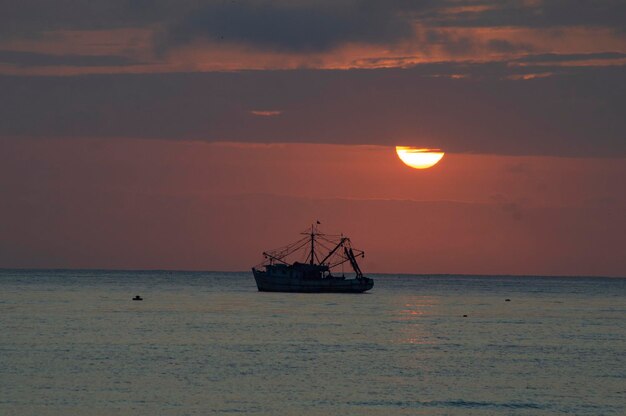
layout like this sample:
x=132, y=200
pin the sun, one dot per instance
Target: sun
x=419, y=158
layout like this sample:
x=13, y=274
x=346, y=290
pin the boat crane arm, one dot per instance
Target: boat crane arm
x=334, y=250
x=353, y=263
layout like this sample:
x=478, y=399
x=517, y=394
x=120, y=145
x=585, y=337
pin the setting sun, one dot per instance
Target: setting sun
x=419, y=158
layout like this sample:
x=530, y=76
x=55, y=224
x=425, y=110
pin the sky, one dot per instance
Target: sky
x=194, y=135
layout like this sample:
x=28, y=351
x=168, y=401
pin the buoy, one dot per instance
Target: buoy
x=137, y=297
x=464, y=316
x=507, y=300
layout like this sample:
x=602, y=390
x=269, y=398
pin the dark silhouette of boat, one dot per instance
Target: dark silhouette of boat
x=313, y=275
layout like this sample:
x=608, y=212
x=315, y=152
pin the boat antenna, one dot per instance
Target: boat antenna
x=342, y=273
x=313, y=234
x=312, y=243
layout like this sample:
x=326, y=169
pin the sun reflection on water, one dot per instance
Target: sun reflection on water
x=410, y=319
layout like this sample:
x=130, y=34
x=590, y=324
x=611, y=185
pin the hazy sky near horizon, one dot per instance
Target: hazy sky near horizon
x=196, y=134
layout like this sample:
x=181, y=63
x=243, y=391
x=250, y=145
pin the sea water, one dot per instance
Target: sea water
x=74, y=343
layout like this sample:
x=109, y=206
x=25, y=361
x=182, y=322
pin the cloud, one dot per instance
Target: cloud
x=31, y=18
x=539, y=14
x=450, y=42
x=292, y=27
x=311, y=24
x=505, y=46
x=578, y=111
x=29, y=59
x=266, y=113
x=200, y=35
x=555, y=57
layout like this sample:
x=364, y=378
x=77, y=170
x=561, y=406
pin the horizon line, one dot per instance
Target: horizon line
x=65, y=269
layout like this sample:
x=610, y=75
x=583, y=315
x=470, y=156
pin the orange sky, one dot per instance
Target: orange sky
x=192, y=205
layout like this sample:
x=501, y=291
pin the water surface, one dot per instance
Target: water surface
x=73, y=343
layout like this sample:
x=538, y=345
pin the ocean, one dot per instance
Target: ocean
x=201, y=343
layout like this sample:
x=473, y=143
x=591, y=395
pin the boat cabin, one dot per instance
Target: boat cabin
x=301, y=270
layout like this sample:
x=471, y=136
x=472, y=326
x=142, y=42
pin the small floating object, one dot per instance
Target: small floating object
x=464, y=316
x=137, y=297
x=507, y=300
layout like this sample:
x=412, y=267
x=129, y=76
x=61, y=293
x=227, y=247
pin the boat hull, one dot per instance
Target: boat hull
x=271, y=283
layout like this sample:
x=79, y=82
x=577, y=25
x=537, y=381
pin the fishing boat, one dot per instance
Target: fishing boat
x=307, y=266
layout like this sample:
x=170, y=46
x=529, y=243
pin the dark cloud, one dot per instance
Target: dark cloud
x=505, y=46
x=30, y=59
x=282, y=25
x=305, y=25
x=293, y=27
x=31, y=18
x=541, y=14
x=575, y=112
x=555, y=57
x=450, y=42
